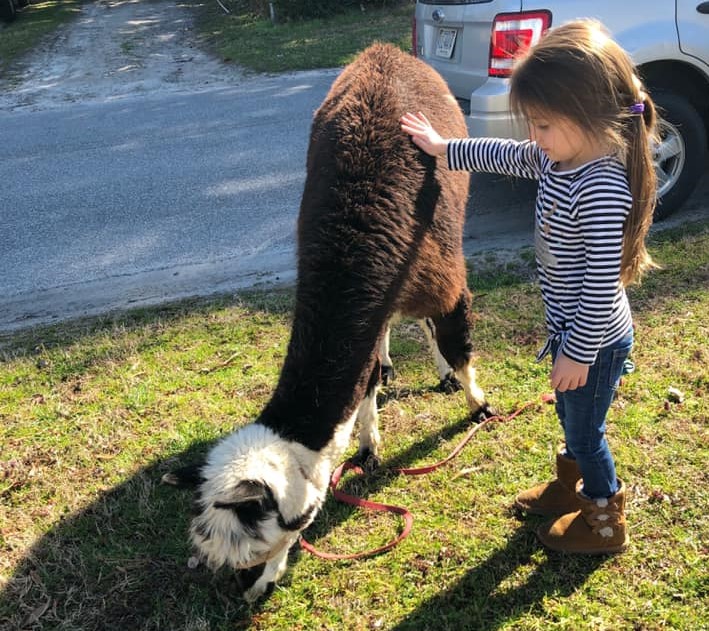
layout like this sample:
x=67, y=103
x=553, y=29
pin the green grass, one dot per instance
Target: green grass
x=93, y=412
x=33, y=25
x=258, y=45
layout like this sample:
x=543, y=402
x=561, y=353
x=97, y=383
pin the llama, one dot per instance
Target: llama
x=379, y=233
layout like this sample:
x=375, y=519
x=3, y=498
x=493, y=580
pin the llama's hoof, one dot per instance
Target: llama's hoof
x=246, y=580
x=367, y=460
x=484, y=412
x=388, y=374
x=254, y=594
x=449, y=384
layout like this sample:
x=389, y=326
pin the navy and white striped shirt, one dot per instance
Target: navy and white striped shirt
x=579, y=217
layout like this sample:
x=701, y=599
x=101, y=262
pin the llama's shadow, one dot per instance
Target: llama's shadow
x=121, y=563
x=376, y=480
x=448, y=385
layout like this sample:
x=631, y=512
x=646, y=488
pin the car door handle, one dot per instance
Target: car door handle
x=703, y=7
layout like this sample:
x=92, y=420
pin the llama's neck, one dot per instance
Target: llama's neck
x=325, y=375
x=320, y=464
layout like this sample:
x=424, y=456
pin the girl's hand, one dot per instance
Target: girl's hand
x=566, y=374
x=423, y=134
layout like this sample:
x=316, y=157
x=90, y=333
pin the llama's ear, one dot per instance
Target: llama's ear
x=186, y=477
x=252, y=502
x=246, y=491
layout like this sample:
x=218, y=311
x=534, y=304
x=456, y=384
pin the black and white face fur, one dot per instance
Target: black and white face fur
x=257, y=493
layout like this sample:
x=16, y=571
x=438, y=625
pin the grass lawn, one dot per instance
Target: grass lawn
x=92, y=413
x=258, y=45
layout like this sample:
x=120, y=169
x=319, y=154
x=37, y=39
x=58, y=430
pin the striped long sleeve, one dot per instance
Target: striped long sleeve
x=602, y=312
x=496, y=155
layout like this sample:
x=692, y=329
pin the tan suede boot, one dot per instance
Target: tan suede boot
x=598, y=528
x=553, y=498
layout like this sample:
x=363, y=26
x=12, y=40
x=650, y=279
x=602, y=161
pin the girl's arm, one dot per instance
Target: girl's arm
x=491, y=155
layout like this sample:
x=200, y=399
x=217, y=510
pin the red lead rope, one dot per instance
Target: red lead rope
x=405, y=513
x=362, y=503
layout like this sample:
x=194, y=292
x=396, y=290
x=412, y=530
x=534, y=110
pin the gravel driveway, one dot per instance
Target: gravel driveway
x=116, y=50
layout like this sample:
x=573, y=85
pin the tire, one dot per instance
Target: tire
x=679, y=157
x=8, y=12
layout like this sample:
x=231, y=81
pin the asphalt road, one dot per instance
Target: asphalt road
x=147, y=199
x=127, y=182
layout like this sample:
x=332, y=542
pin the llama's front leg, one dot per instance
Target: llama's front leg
x=367, y=416
x=452, y=332
x=273, y=570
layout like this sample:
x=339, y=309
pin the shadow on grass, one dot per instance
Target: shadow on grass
x=480, y=601
x=121, y=564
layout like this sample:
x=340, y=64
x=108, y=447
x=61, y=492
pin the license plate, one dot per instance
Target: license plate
x=445, y=42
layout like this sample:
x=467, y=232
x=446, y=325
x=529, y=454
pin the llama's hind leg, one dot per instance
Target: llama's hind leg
x=452, y=333
x=448, y=382
x=368, y=418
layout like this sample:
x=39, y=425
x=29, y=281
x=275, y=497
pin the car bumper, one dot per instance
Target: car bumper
x=488, y=112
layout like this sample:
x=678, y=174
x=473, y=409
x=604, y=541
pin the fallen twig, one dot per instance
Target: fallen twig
x=219, y=2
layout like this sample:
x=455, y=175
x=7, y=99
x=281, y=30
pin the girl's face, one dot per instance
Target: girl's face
x=563, y=140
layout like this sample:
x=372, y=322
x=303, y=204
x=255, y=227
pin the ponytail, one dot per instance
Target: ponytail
x=638, y=135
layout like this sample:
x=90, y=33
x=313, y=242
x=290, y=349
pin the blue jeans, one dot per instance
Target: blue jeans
x=582, y=413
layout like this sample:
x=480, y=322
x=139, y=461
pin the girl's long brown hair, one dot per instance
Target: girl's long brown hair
x=578, y=72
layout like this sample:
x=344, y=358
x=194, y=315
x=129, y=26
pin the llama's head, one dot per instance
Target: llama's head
x=255, y=493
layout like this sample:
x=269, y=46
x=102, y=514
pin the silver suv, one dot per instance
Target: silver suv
x=472, y=44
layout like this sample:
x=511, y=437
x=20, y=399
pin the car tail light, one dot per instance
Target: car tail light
x=414, y=42
x=512, y=35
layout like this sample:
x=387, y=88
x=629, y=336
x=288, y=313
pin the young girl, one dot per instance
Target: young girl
x=590, y=125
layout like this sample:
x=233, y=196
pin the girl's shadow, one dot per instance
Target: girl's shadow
x=480, y=602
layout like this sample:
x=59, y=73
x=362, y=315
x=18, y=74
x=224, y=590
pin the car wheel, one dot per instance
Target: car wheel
x=22, y=3
x=7, y=10
x=679, y=155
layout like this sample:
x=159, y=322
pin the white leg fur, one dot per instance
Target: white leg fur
x=473, y=394
x=384, y=348
x=272, y=572
x=369, y=424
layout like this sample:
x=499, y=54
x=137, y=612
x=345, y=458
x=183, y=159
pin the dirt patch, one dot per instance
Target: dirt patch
x=116, y=50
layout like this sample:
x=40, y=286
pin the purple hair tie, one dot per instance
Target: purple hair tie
x=637, y=108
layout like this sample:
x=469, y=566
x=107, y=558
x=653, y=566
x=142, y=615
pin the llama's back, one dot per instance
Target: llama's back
x=375, y=206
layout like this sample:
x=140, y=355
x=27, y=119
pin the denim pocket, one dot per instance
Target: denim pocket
x=617, y=365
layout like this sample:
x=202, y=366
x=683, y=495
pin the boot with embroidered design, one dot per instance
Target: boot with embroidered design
x=556, y=497
x=598, y=528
